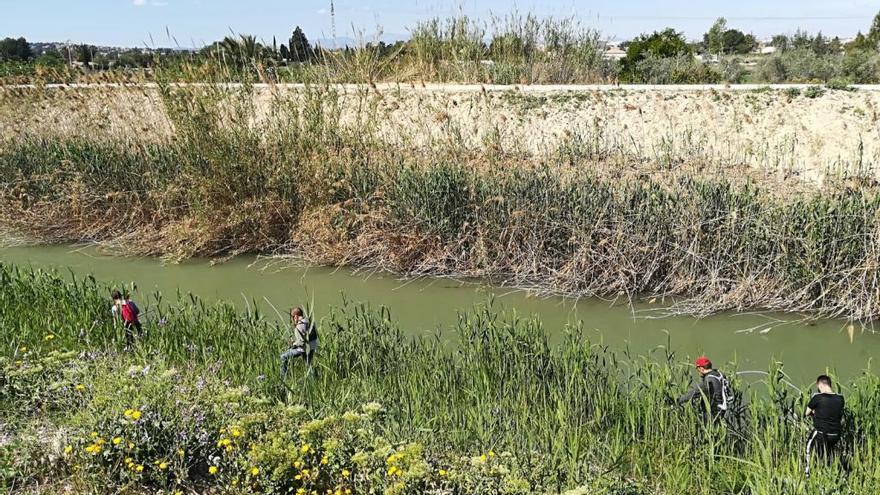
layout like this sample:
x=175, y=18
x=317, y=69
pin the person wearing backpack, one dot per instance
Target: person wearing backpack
x=713, y=391
x=304, y=342
x=826, y=408
x=129, y=312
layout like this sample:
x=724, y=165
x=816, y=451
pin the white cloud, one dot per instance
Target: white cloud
x=139, y=3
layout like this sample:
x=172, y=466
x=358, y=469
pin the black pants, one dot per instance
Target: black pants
x=823, y=445
x=130, y=328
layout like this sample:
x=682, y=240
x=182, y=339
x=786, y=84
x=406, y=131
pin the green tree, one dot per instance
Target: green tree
x=714, y=38
x=299, y=47
x=735, y=41
x=15, y=49
x=658, y=45
x=284, y=52
x=84, y=54
x=781, y=42
x=874, y=33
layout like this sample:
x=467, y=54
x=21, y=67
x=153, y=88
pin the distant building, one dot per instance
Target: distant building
x=613, y=52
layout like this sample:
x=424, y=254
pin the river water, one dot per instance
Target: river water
x=422, y=306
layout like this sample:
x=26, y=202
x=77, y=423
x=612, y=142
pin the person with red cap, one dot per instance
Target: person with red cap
x=713, y=391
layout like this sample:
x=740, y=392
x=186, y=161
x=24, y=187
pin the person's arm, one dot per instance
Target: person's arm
x=811, y=406
x=696, y=389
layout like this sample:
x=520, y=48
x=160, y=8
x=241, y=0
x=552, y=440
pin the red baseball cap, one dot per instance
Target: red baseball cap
x=702, y=362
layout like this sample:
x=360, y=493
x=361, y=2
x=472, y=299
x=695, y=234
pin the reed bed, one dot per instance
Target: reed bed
x=290, y=178
x=565, y=416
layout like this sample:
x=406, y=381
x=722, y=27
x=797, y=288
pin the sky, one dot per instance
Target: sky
x=195, y=23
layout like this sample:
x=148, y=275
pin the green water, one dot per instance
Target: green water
x=425, y=305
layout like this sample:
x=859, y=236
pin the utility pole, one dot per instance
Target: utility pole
x=333, y=23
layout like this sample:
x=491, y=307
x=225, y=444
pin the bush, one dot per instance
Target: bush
x=681, y=69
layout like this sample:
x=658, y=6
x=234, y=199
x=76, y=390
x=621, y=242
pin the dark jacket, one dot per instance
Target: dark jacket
x=709, y=387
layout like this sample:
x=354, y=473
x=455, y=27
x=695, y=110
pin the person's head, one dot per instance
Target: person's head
x=823, y=384
x=703, y=365
x=116, y=296
x=296, y=314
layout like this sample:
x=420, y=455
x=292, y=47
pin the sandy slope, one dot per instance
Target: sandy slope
x=773, y=130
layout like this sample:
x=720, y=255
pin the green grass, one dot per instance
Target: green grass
x=566, y=414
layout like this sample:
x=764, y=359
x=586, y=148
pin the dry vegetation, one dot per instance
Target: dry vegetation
x=699, y=195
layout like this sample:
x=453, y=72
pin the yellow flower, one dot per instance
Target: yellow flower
x=337, y=492
x=68, y=449
x=130, y=445
x=348, y=491
x=128, y=460
x=23, y=349
x=128, y=413
x=392, y=470
x=49, y=337
x=93, y=434
x=298, y=464
x=491, y=453
x=442, y=472
x=178, y=492
x=324, y=461
x=80, y=386
x=483, y=458
x=255, y=471
x=136, y=415
x=300, y=491
x=229, y=448
x=305, y=448
x=346, y=472
x=180, y=453
x=94, y=449
x=163, y=465
x=117, y=441
x=234, y=482
x=236, y=432
x=139, y=468
x=212, y=469
x=298, y=477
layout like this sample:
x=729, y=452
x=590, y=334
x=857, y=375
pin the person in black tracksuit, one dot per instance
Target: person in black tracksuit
x=826, y=409
x=708, y=392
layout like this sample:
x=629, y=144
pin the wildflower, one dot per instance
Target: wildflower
x=346, y=472
x=22, y=349
x=298, y=464
x=300, y=491
x=212, y=469
x=68, y=449
x=128, y=460
x=348, y=491
x=128, y=413
x=483, y=458
x=117, y=441
x=224, y=442
x=392, y=470
x=236, y=432
x=136, y=415
x=229, y=448
x=80, y=386
x=255, y=471
x=442, y=472
x=180, y=453
x=491, y=453
x=324, y=461
x=305, y=448
x=48, y=337
x=94, y=449
x=130, y=445
x=94, y=434
x=163, y=465
x=139, y=468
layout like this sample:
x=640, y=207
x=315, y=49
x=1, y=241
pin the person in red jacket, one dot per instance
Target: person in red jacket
x=128, y=311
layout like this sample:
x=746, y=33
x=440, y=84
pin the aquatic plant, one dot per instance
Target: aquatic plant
x=555, y=416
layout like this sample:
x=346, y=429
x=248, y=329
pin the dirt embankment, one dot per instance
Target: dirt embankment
x=781, y=132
